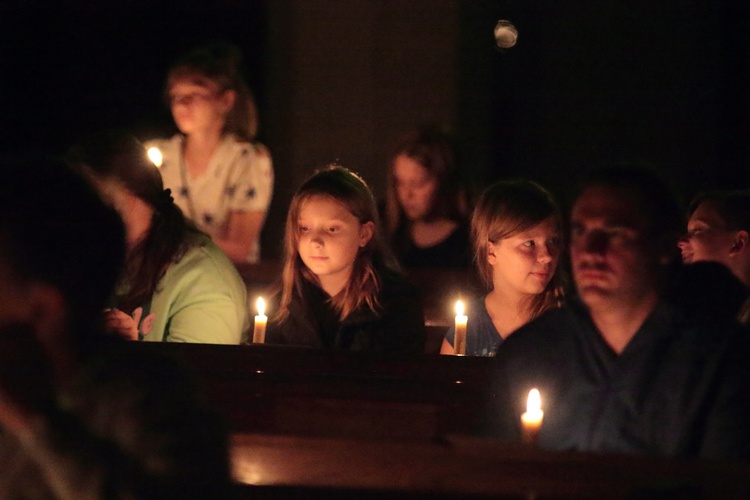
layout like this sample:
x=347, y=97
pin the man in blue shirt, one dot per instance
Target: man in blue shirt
x=619, y=368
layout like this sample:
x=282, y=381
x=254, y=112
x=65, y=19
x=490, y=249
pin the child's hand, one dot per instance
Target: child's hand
x=122, y=323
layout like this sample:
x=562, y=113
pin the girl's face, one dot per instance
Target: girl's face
x=330, y=237
x=199, y=108
x=524, y=263
x=415, y=187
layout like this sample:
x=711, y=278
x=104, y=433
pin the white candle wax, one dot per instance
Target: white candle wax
x=531, y=419
x=459, y=339
x=259, y=331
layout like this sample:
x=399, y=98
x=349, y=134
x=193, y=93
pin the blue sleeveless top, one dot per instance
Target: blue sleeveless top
x=482, y=338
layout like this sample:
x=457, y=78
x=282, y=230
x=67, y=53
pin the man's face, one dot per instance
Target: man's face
x=610, y=255
x=707, y=236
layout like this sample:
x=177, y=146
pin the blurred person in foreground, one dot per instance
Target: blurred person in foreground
x=623, y=370
x=81, y=417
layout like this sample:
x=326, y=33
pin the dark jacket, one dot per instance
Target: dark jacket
x=454, y=252
x=679, y=388
x=396, y=327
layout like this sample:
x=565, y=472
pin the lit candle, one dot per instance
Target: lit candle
x=155, y=156
x=459, y=339
x=531, y=420
x=259, y=332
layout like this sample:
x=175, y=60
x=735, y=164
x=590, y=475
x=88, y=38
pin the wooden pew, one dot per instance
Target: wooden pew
x=298, y=391
x=325, y=424
x=462, y=467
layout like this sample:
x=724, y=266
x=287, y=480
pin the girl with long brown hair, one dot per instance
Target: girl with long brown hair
x=426, y=210
x=340, y=286
x=177, y=286
x=516, y=231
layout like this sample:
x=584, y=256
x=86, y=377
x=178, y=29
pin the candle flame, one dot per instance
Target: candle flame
x=155, y=156
x=534, y=403
x=261, y=305
x=459, y=308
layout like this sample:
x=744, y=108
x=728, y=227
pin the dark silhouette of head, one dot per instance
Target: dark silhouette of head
x=56, y=231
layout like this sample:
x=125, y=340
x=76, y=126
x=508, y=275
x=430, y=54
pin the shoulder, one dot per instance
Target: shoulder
x=166, y=145
x=479, y=319
x=701, y=334
x=548, y=333
x=249, y=163
x=204, y=261
x=246, y=152
x=475, y=305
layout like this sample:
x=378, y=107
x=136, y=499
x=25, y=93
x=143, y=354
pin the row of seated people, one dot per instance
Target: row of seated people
x=223, y=177
x=620, y=369
x=338, y=285
x=340, y=289
x=179, y=286
x=223, y=181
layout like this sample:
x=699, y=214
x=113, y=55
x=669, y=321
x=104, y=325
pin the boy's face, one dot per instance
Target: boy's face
x=707, y=236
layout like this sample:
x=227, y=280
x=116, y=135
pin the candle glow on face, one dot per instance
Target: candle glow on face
x=155, y=156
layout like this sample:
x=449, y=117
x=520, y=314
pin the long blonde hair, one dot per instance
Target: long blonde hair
x=364, y=285
x=505, y=209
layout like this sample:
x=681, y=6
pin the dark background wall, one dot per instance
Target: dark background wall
x=663, y=82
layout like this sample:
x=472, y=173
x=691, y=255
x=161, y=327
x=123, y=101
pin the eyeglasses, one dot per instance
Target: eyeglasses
x=188, y=99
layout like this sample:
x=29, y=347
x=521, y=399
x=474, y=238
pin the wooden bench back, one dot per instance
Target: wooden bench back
x=286, y=390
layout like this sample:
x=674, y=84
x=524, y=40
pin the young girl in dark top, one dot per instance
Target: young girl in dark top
x=340, y=286
x=515, y=228
x=426, y=203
